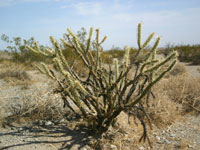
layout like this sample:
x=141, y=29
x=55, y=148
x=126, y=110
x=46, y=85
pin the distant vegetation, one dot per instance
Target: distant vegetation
x=18, y=52
x=187, y=53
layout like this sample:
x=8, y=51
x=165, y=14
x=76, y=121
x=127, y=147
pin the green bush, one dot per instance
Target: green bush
x=187, y=53
x=19, y=52
x=105, y=92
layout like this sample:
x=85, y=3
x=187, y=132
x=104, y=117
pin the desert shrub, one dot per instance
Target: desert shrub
x=162, y=110
x=105, y=93
x=184, y=90
x=32, y=107
x=4, y=56
x=167, y=49
x=189, y=53
x=16, y=77
x=115, y=52
x=107, y=56
x=15, y=74
x=18, y=50
x=179, y=69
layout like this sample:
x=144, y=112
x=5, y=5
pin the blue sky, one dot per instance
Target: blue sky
x=176, y=21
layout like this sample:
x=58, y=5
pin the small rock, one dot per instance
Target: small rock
x=126, y=135
x=118, y=139
x=48, y=123
x=128, y=139
x=114, y=147
x=166, y=141
x=141, y=148
x=62, y=121
x=20, y=129
x=84, y=148
x=172, y=135
x=190, y=146
x=158, y=138
x=110, y=128
x=164, y=131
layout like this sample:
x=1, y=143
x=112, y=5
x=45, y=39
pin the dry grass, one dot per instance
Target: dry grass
x=175, y=96
x=179, y=69
x=16, y=77
x=34, y=108
x=185, y=91
x=162, y=110
x=4, y=56
x=15, y=74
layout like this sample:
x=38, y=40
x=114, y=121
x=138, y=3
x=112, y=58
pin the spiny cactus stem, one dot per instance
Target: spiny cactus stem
x=46, y=69
x=33, y=50
x=139, y=35
x=91, y=57
x=89, y=40
x=49, y=51
x=126, y=57
x=150, y=85
x=121, y=76
x=147, y=63
x=66, y=44
x=103, y=40
x=156, y=44
x=81, y=55
x=97, y=37
x=161, y=63
x=116, y=68
x=148, y=40
x=40, y=69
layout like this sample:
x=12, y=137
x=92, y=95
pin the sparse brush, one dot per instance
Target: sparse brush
x=106, y=92
x=185, y=91
x=16, y=77
x=178, y=70
x=32, y=109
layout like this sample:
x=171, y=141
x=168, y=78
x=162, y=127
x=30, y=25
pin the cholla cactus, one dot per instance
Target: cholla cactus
x=105, y=92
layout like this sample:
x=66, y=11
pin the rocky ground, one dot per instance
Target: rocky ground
x=61, y=133
x=181, y=135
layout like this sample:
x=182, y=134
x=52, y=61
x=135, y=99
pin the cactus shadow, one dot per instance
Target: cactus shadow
x=60, y=136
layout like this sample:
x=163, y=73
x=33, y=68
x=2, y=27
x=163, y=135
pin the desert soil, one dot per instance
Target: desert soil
x=49, y=135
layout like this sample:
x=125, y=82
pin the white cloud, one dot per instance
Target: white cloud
x=88, y=8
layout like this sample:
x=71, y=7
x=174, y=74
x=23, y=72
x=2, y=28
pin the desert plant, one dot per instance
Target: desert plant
x=106, y=91
x=184, y=90
x=17, y=48
x=179, y=70
x=16, y=76
x=189, y=53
